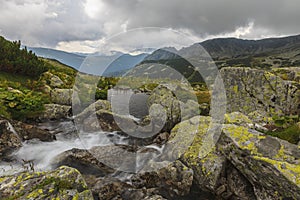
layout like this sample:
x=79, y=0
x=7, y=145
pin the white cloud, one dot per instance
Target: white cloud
x=84, y=25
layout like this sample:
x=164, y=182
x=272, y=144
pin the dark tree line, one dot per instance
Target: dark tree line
x=15, y=60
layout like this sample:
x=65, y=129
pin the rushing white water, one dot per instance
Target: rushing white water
x=41, y=154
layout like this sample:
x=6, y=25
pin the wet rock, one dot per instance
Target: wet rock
x=28, y=132
x=61, y=96
x=9, y=139
x=83, y=160
x=63, y=183
x=55, y=112
x=104, y=120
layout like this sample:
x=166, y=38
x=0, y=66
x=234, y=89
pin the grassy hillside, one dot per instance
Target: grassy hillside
x=22, y=97
x=21, y=88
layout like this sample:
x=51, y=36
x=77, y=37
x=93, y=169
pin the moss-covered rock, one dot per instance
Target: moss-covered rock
x=189, y=141
x=55, y=112
x=266, y=167
x=163, y=96
x=249, y=89
x=63, y=183
x=270, y=164
x=238, y=119
x=61, y=96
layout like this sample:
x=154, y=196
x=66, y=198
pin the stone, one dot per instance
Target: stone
x=164, y=97
x=28, y=132
x=108, y=188
x=241, y=164
x=83, y=160
x=271, y=165
x=62, y=183
x=55, y=112
x=9, y=139
x=61, y=96
x=93, y=108
x=51, y=80
x=238, y=118
x=173, y=180
x=249, y=90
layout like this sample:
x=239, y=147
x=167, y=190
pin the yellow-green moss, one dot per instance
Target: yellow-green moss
x=290, y=171
x=236, y=118
x=235, y=88
x=243, y=137
x=35, y=194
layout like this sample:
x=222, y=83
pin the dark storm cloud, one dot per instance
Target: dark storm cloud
x=57, y=22
x=212, y=17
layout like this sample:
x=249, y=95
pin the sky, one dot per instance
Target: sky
x=127, y=25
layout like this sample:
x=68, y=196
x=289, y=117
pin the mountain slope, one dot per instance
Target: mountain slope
x=114, y=65
x=69, y=59
x=265, y=53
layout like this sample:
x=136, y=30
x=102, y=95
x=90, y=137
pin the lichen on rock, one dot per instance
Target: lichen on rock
x=63, y=183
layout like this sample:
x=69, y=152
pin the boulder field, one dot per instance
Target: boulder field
x=192, y=157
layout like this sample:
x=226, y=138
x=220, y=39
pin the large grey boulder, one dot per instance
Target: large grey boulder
x=242, y=163
x=170, y=104
x=84, y=161
x=249, y=90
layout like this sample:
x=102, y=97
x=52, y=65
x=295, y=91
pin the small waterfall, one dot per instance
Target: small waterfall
x=41, y=153
x=12, y=129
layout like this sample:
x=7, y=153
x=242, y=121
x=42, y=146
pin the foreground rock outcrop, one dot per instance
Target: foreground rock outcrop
x=242, y=164
x=63, y=183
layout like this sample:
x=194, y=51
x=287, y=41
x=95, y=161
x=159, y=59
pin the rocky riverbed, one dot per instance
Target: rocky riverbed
x=91, y=156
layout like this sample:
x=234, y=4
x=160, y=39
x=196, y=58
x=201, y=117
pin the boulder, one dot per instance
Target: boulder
x=9, y=139
x=104, y=120
x=83, y=160
x=55, y=112
x=238, y=118
x=164, y=97
x=241, y=164
x=108, y=188
x=61, y=96
x=249, y=90
x=62, y=183
x=271, y=165
x=93, y=108
x=28, y=132
x=171, y=181
x=52, y=80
